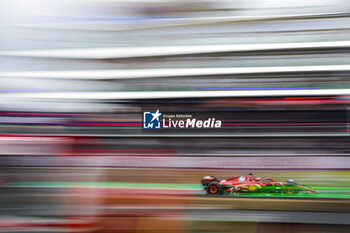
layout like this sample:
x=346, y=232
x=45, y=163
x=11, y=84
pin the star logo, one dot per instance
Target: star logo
x=156, y=115
x=151, y=120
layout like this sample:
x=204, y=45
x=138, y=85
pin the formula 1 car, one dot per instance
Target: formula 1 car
x=251, y=184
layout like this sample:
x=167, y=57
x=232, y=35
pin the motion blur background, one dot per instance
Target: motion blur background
x=76, y=76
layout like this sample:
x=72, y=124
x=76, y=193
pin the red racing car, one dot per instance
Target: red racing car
x=251, y=184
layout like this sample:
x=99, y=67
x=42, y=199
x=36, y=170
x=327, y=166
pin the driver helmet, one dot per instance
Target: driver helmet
x=250, y=177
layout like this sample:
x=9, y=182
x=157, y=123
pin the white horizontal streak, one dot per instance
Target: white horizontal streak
x=110, y=53
x=158, y=73
x=173, y=94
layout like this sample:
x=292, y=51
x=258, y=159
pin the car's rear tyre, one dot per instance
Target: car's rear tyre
x=214, y=188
